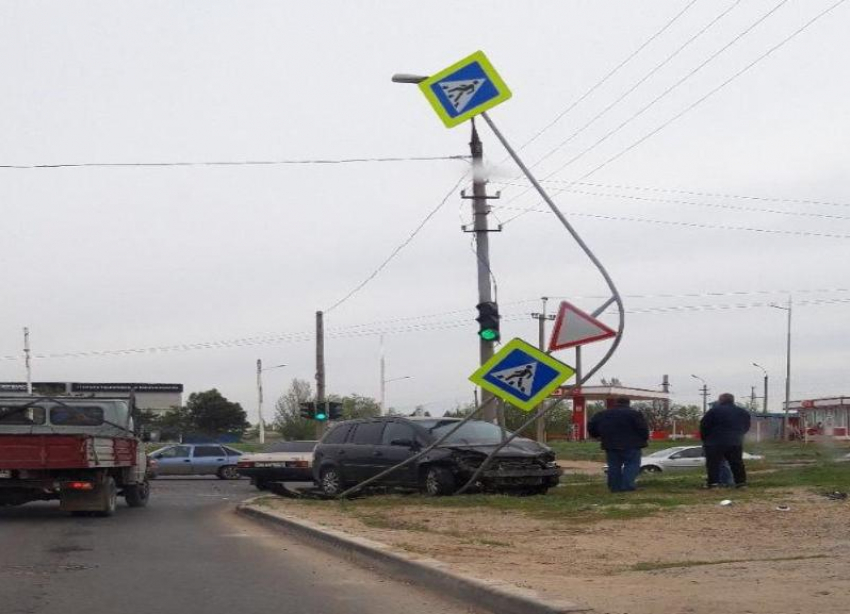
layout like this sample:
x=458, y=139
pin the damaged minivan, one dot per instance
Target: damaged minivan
x=356, y=450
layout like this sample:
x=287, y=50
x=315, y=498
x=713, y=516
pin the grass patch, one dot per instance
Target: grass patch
x=656, y=565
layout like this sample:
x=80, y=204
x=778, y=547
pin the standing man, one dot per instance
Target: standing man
x=623, y=432
x=722, y=429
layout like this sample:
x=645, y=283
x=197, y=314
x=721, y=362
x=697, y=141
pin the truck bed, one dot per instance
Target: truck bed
x=65, y=451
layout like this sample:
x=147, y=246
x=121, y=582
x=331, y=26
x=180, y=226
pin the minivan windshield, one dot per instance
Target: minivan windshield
x=473, y=432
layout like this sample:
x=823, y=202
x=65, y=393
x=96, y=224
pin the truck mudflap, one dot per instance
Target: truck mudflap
x=98, y=495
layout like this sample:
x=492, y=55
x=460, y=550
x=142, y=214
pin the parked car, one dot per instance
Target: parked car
x=356, y=450
x=197, y=459
x=680, y=457
x=282, y=461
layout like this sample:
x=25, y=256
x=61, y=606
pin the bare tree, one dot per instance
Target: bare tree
x=287, y=420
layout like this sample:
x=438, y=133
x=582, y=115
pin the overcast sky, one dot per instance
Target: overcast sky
x=105, y=258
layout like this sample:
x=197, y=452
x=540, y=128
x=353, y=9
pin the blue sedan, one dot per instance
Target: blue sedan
x=197, y=459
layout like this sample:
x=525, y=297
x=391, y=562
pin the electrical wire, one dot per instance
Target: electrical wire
x=637, y=84
x=233, y=162
x=400, y=247
x=352, y=332
x=693, y=204
x=643, y=220
x=610, y=74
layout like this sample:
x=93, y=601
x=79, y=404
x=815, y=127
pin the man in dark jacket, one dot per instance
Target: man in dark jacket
x=722, y=429
x=623, y=432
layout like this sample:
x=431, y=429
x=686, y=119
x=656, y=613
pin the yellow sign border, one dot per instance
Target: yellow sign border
x=500, y=85
x=564, y=370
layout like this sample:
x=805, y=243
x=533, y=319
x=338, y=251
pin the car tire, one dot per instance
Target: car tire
x=228, y=472
x=330, y=481
x=650, y=469
x=261, y=485
x=137, y=495
x=438, y=481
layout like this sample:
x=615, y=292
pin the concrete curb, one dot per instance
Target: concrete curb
x=494, y=595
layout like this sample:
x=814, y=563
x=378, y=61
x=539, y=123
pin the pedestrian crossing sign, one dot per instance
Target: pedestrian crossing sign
x=522, y=375
x=465, y=89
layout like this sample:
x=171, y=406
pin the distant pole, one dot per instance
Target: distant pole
x=753, y=398
x=764, y=399
x=260, y=400
x=704, y=391
x=788, y=370
x=320, y=368
x=541, y=343
x=383, y=379
x=27, y=359
x=480, y=210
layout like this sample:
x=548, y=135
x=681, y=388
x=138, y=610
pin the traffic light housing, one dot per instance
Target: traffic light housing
x=321, y=413
x=488, y=321
x=308, y=410
x=334, y=410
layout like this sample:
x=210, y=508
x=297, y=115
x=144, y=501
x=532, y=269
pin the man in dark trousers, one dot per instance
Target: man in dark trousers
x=623, y=432
x=722, y=429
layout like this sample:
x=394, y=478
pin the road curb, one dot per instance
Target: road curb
x=494, y=595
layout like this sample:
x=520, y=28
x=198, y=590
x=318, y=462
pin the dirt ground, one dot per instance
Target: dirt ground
x=747, y=558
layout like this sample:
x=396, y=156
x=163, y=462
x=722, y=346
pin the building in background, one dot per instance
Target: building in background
x=828, y=417
x=158, y=398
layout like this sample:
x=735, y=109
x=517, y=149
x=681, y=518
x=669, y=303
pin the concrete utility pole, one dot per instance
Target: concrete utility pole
x=320, y=369
x=753, y=398
x=541, y=343
x=480, y=210
x=789, y=308
x=27, y=359
x=262, y=428
x=704, y=391
x=764, y=400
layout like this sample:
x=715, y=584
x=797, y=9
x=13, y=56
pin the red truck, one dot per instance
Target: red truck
x=82, y=451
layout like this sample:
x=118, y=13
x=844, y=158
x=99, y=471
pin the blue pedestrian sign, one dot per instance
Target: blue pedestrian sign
x=465, y=89
x=522, y=375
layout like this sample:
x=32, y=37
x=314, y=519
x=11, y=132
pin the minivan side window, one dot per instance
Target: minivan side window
x=397, y=431
x=368, y=433
x=337, y=434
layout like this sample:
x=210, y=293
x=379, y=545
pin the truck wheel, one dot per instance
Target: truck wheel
x=137, y=495
x=438, y=481
x=108, y=498
x=228, y=472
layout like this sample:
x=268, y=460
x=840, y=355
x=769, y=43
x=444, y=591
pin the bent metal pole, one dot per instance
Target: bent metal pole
x=615, y=297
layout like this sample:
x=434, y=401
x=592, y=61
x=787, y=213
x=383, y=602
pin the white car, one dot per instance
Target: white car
x=681, y=457
x=283, y=461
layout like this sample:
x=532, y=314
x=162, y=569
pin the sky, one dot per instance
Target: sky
x=706, y=198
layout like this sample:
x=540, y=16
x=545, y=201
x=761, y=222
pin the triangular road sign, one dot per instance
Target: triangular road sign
x=575, y=327
x=519, y=378
x=461, y=92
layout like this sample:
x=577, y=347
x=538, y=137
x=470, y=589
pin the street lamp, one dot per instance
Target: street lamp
x=787, y=365
x=406, y=78
x=260, y=370
x=764, y=406
x=384, y=383
x=704, y=391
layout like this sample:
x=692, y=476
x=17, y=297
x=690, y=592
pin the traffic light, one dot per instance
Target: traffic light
x=334, y=410
x=308, y=410
x=488, y=321
x=321, y=414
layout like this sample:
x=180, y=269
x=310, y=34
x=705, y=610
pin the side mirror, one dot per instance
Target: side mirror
x=406, y=443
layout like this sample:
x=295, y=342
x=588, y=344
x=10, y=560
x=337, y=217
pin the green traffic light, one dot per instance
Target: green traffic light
x=489, y=334
x=321, y=416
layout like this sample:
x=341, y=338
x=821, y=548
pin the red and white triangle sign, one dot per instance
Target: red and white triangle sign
x=575, y=327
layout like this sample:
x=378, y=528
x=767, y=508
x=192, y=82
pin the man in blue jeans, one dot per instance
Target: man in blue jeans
x=623, y=432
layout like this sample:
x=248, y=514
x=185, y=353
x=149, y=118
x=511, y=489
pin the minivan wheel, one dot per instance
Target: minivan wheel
x=331, y=481
x=438, y=481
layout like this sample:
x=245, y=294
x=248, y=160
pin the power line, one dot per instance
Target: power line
x=693, y=204
x=351, y=332
x=655, y=100
x=398, y=249
x=233, y=162
x=640, y=82
x=715, y=90
x=642, y=220
x=798, y=201
x=610, y=74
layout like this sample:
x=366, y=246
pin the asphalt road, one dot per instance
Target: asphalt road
x=187, y=553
